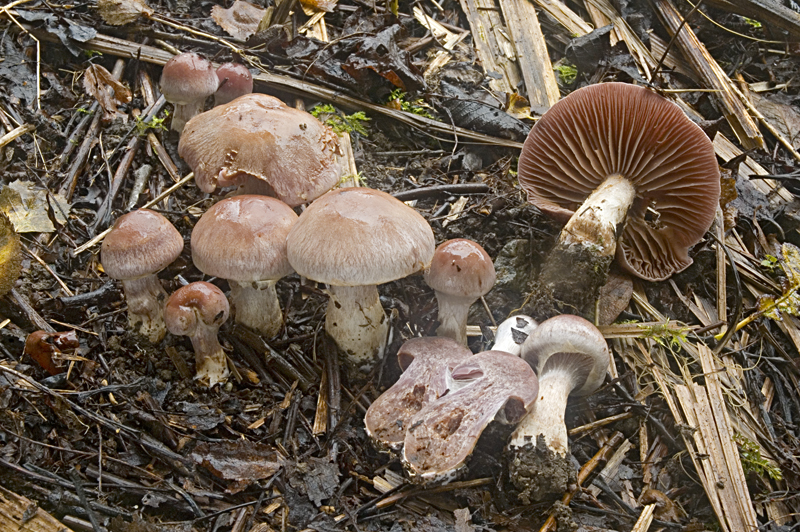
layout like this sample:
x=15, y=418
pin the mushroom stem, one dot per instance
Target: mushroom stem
x=453, y=311
x=211, y=365
x=596, y=220
x=185, y=112
x=547, y=416
x=356, y=321
x=146, y=298
x=256, y=306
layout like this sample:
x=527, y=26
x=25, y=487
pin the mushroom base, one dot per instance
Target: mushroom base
x=256, y=306
x=538, y=473
x=211, y=365
x=574, y=275
x=357, y=323
x=146, y=298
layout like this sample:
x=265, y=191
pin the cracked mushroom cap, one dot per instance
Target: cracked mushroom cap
x=258, y=136
x=141, y=243
x=234, y=80
x=244, y=239
x=573, y=342
x=461, y=268
x=196, y=301
x=187, y=78
x=359, y=236
x=621, y=129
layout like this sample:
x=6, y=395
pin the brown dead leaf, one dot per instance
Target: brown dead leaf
x=239, y=461
x=97, y=81
x=779, y=112
x=240, y=21
x=119, y=12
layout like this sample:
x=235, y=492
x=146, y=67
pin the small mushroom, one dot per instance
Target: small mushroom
x=197, y=310
x=234, y=80
x=186, y=81
x=616, y=159
x=426, y=363
x=441, y=436
x=461, y=272
x=259, y=142
x=570, y=357
x=512, y=333
x=141, y=244
x=354, y=239
x=243, y=239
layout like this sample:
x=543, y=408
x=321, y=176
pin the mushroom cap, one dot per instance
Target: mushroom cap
x=141, y=242
x=461, y=268
x=234, y=80
x=244, y=239
x=259, y=136
x=196, y=301
x=187, y=78
x=359, y=236
x=240, y=21
x=621, y=129
x=569, y=341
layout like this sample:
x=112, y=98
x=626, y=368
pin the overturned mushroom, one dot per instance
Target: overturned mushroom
x=197, y=310
x=426, y=363
x=441, y=436
x=617, y=159
x=570, y=357
x=512, y=333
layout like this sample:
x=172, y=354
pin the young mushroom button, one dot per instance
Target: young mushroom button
x=616, y=156
x=243, y=239
x=354, y=239
x=186, y=81
x=197, y=310
x=141, y=244
x=461, y=272
x=234, y=80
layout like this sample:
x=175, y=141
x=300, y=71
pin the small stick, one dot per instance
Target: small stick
x=15, y=133
x=164, y=157
x=49, y=270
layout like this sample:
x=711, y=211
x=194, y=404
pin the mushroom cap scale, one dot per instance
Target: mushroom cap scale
x=359, y=236
x=462, y=268
x=188, y=77
x=258, y=136
x=196, y=301
x=244, y=239
x=620, y=129
x=140, y=243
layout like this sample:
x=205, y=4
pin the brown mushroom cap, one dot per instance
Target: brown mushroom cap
x=244, y=239
x=141, y=242
x=234, y=80
x=187, y=78
x=259, y=136
x=621, y=129
x=461, y=268
x=359, y=236
x=240, y=21
x=196, y=301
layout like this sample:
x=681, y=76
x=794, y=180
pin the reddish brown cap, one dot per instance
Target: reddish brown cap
x=259, y=136
x=461, y=268
x=187, y=78
x=195, y=301
x=240, y=21
x=244, y=239
x=140, y=243
x=621, y=129
x=359, y=236
x=234, y=80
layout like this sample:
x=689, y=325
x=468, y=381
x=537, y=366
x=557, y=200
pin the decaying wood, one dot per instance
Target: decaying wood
x=646, y=61
x=573, y=23
x=20, y=513
x=712, y=75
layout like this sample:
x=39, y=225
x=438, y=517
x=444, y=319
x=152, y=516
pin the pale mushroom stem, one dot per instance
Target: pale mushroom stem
x=185, y=112
x=256, y=306
x=211, y=365
x=356, y=321
x=547, y=416
x=453, y=313
x=596, y=220
x=512, y=333
x=146, y=298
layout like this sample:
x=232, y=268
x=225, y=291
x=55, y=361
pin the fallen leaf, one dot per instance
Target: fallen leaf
x=97, y=81
x=28, y=207
x=240, y=21
x=119, y=12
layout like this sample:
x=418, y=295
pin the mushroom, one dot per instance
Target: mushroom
x=512, y=333
x=617, y=159
x=243, y=239
x=258, y=141
x=570, y=357
x=441, y=436
x=461, y=272
x=354, y=239
x=197, y=310
x=141, y=244
x=234, y=80
x=426, y=363
x=186, y=81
